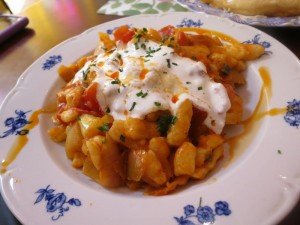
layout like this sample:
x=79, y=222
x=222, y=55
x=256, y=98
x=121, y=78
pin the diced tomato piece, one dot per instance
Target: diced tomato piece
x=167, y=31
x=124, y=34
x=182, y=39
x=90, y=98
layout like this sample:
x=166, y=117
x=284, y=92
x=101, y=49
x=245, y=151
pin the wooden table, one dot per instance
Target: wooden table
x=52, y=22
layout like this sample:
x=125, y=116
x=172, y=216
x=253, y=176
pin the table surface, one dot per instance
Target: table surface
x=50, y=24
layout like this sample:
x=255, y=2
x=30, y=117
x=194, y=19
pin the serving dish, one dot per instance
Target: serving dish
x=198, y=6
x=260, y=185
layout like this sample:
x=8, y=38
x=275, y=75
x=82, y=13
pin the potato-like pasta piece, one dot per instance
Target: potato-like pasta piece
x=179, y=131
x=235, y=113
x=136, y=164
x=90, y=170
x=69, y=115
x=184, y=161
x=160, y=147
x=73, y=140
x=194, y=51
x=137, y=129
x=73, y=96
x=254, y=51
x=94, y=148
x=153, y=174
x=111, y=172
x=92, y=125
x=67, y=72
x=117, y=133
x=58, y=134
x=201, y=172
x=78, y=160
x=105, y=41
x=170, y=186
x=210, y=141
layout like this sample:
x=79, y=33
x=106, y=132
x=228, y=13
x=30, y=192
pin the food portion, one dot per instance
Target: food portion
x=258, y=7
x=147, y=109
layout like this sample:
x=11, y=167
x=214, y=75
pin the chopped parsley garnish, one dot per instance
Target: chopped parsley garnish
x=199, y=88
x=104, y=127
x=120, y=69
x=118, y=90
x=165, y=72
x=136, y=46
x=119, y=56
x=107, y=110
x=164, y=123
x=132, y=107
x=143, y=46
x=116, y=81
x=226, y=70
x=122, y=138
x=165, y=54
x=150, y=51
x=158, y=104
x=188, y=82
x=85, y=73
x=279, y=152
x=126, y=51
x=145, y=30
x=169, y=63
x=175, y=64
x=141, y=94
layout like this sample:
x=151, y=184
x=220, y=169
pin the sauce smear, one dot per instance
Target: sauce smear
x=258, y=113
x=21, y=141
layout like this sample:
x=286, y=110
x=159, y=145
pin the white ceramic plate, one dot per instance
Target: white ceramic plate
x=199, y=6
x=260, y=186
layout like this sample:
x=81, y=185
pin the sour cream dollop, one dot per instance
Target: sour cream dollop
x=143, y=77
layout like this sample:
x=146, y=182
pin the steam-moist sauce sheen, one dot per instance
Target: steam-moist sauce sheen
x=152, y=77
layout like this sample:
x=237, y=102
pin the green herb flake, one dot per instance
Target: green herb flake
x=139, y=94
x=175, y=64
x=144, y=95
x=119, y=56
x=143, y=46
x=226, y=70
x=188, y=82
x=136, y=46
x=107, y=110
x=199, y=88
x=120, y=69
x=158, y=104
x=132, y=107
x=279, y=151
x=116, y=81
x=164, y=123
x=122, y=138
x=169, y=63
x=165, y=54
x=104, y=128
x=145, y=30
x=85, y=73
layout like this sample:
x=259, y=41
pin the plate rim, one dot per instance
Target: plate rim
x=26, y=72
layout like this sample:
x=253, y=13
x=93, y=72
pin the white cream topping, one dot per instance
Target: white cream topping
x=152, y=77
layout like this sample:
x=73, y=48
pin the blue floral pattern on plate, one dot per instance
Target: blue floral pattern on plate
x=51, y=62
x=15, y=124
x=292, y=116
x=190, y=23
x=203, y=214
x=56, y=203
x=199, y=6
